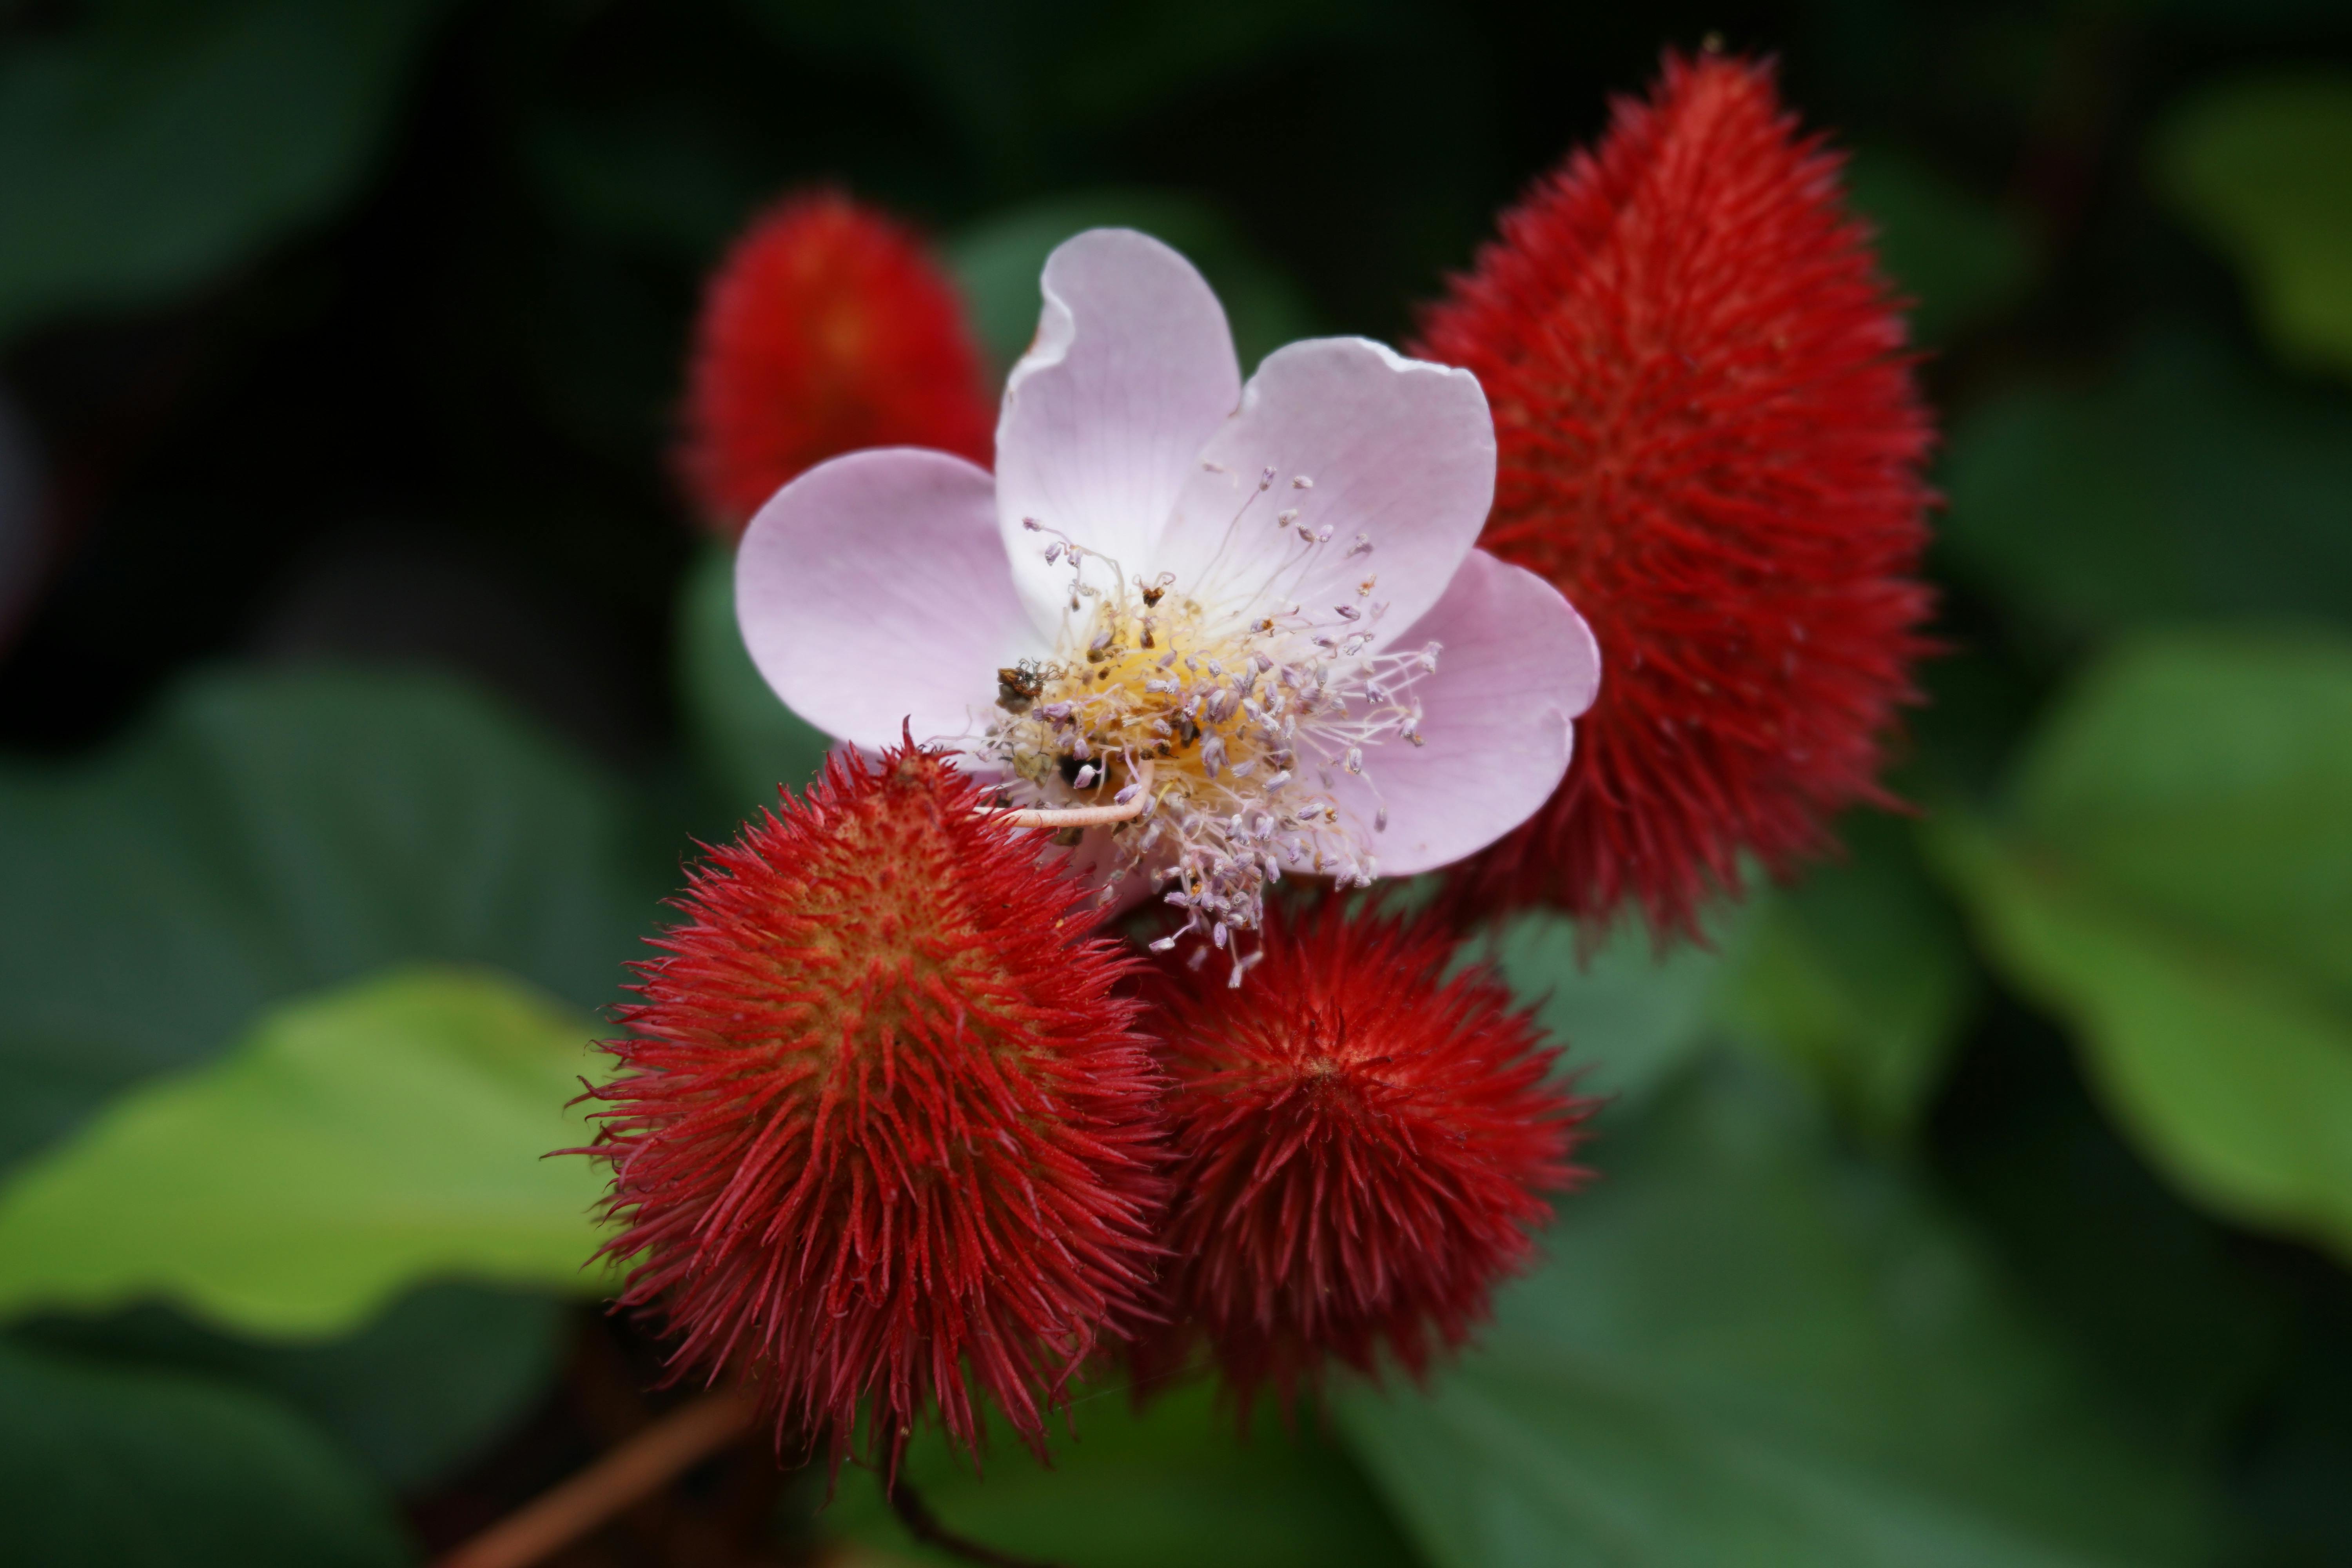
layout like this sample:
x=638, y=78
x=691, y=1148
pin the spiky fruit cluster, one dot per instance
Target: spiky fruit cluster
x=884, y=1133
x=1361, y=1149
x=1711, y=442
x=826, y=329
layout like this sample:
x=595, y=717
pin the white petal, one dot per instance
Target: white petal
x=873, y=593
x=1105, y=415
x=1400, y=451
x=1517, y=665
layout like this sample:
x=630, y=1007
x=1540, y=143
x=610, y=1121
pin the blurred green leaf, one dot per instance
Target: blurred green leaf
x=110, y=1468
x=2182, y=1320
x=267, y=835
x=998, y=264
x=1858, y=976
x=2264, y=167
x=1957, y=255
x=421, y=1389
x=1746, y=1348
x=357, y=1143
x=158, y=146
x=748, y=742
x=1172, y=1487
x=2175, y=879
x=2185, y=485
x=1628, y=1014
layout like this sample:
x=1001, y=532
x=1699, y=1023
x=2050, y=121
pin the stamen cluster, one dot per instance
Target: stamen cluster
x=1243, y=707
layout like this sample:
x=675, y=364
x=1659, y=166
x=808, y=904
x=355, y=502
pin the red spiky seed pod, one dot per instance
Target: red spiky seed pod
x=883, y=1131
x=826, y=329
x=1711, y=442
x=1360, y=1146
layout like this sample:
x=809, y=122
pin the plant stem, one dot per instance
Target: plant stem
x=924, y=1526
x=636, y=1470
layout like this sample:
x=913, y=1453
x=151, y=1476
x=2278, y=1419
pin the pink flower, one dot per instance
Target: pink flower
x=1223, y=632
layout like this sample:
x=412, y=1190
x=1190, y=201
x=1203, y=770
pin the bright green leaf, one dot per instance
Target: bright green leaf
x=2263, y=166
x=138, y=160
x=1859, y=978
x=2174, y=878
x=109, y=1468
x=1957, y=255
x=1628, y=1015
x=267, y=835
x=1172, y=1487
x=998, y=265
x=2185, y=485
x=355, y=1144
x=748, y=742
x=1746, y=1348
x=420, y=1389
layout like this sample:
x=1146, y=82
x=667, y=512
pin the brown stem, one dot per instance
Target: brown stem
x=636, y=1470
x=924, y=1526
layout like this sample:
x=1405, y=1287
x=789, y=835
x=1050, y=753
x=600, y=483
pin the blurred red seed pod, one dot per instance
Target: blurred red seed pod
x=883, y=1138
x=1361, y=1149
x=1711, y=441
x=827, y=328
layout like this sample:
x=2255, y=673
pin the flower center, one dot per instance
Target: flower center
x=1219, y=720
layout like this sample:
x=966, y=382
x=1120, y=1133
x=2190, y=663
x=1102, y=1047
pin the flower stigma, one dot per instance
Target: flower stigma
x=1205, y=724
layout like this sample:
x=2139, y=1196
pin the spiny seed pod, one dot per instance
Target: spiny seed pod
x=826, y=330
x=1711, y=442
x=1361, y=1146
x=884, y=1134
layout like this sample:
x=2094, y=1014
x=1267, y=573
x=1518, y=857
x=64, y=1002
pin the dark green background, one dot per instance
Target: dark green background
x=351, y=335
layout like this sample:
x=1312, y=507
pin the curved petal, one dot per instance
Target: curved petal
x=1104, y=417
x=873, y=593
x=1518, y=665
x=1399, y=451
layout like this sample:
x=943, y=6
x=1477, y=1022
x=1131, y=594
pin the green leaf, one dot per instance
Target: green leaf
x=1958, y=257
x=158, y=147
x=356, y=1145
x=1859, y=978
x=999, y=262
x=1628, y=1014
x=2184, y=485
x=414, y=1393
x=2175, y=879
x=1746, y=1348
x=116, y=1469
x=2258, y=164
x=1171, y=1487
x=269, y=835
x=748, y=742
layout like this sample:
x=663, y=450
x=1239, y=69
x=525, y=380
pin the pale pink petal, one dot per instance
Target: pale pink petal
x=1399, y=451
x=1133, y=367
x=1517, y=665
x=873, y=593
